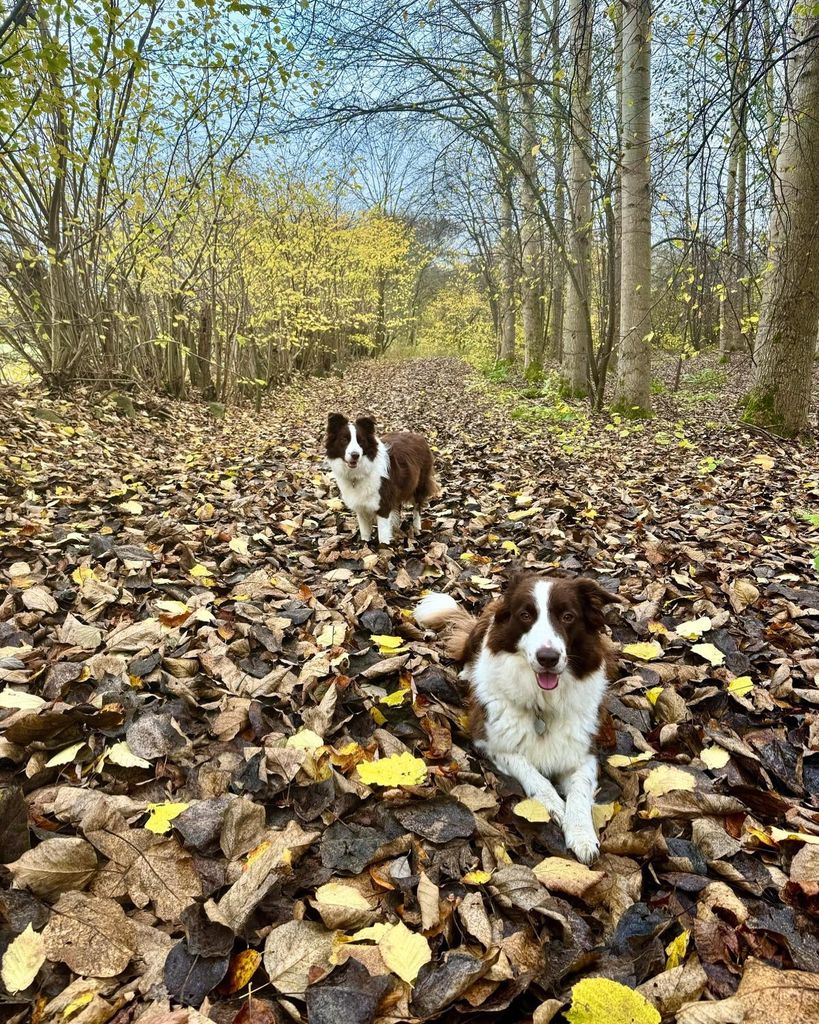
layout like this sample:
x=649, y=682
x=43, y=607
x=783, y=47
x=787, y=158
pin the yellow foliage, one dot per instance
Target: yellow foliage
x=398, y=770
x=600, y=1001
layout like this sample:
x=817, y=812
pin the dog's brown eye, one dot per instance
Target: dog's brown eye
x=525, y=616
x=568, y=617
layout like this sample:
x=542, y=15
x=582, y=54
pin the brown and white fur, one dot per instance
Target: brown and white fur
x=538, y=664
x=377, y=475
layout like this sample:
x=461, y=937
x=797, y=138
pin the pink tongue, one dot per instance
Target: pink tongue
x=547, y=680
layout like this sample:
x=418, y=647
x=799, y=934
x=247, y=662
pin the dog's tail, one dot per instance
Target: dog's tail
x=443, y=614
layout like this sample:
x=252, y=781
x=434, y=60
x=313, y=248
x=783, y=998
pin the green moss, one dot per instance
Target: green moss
x=629, y=412
x=760, y=411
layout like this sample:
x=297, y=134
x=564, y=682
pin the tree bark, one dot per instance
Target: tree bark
x=508, y=273
x=634, y=369
x=577, y=341
x=780, y=399
x=531, y=281
x=557, y=311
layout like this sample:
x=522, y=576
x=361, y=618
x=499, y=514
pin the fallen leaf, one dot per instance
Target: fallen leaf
x=161, y=816
x=22, y=960
x=292, y=951
x=91, y=935
x=568, y=876
x=600, y=1001
x=666, y=778
x=55, y=866
x=397, y=770
x=532, y=810
x=404, y=952
x=645, y=651
x=711, y=654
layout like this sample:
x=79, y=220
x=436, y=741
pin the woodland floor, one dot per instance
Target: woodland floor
x=187, y=620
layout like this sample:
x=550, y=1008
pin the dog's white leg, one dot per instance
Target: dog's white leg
x=365, y=526
x=385, y=529
x=534, y=784
x=578, y=827
x=416, y=519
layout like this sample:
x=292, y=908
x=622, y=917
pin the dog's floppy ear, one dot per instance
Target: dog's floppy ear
x=366, y=424
x=512, y=578
x=334, y=421
x=593, y=599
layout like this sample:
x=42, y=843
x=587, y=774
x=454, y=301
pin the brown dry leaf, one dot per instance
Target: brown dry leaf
x=293, y=952
x=766, y=995
x=567, y=876
x=55, y=866
x=91, y=935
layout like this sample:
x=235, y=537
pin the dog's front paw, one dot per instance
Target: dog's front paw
x=583, y=844
x=553, y=804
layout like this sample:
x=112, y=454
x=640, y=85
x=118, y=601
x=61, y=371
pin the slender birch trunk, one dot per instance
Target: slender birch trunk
x=556, y=322
x=530, y=285
x=634, y=369
x=577, y=344
x=780, y=399
x=508, y=273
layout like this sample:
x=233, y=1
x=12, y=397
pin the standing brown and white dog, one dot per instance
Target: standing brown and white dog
x=377, y=475
x=538, y=664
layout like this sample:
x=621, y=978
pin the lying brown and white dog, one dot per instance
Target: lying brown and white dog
x=377, y=475
x=537, y=663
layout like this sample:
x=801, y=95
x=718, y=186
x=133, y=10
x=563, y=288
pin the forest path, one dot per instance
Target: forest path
x=187, y=618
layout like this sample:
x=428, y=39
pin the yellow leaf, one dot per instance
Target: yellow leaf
x=288, y=527
x=561, y=875
x=404, y=952
x=532, y=810
x=66, y=755
x=483, y=582
x=741, y=686
x=162, y=815
x=377, y=717
x=601, y=1001
x=676, y=950
x=22, y=960
x=305, y=739
x=763, y=837
x=372, y=933
x=694, y=628
x=122, y=755
x=646, y=651
x=81, y=574
x=666, y=778
x=781, y=834
x=476, y=877
x=337, y=895
x=132, y=507
x=603, y=813
x=654, y=693
x=713, y=655
x=394, y=699
x=522, y=513
x=239, y=545
x=398, y=770
x=83, y=999
x=242, y=968
x=199, y=571
x=388, y=644
x=510, y=545
x=174, y=608
x=764, y=461
x=20, y=700
x=624, y=760
x=715, y=757
x=332, y=635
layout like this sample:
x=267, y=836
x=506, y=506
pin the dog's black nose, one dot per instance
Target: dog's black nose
x=353, y=457
x=548, y=657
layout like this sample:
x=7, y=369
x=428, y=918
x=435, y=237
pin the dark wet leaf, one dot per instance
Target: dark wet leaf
x=189, y=977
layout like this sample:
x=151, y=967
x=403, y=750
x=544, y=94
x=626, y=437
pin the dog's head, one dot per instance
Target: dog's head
x=554, y=625
x=351, y=441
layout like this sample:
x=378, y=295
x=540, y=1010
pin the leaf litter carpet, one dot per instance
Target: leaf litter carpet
x=234, y=778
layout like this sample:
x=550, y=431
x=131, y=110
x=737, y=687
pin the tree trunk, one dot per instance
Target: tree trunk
x=530, y=284
x=556, y=317
x=577, y=342
x=507, y=257
x=634, y=370
x=780, y=399
x=728, y=321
